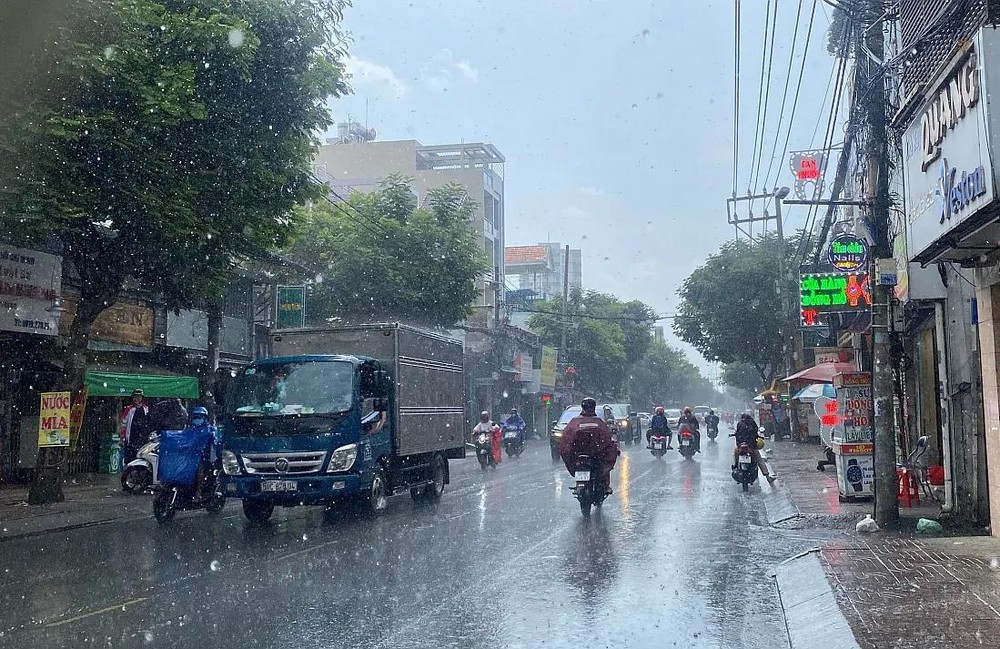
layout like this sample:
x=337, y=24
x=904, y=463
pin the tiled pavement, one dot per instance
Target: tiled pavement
x=894, y=590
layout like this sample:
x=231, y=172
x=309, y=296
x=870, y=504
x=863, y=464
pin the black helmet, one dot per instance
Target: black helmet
x=484, y=416
x=589, y=404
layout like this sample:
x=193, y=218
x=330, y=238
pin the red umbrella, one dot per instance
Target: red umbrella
x=822, y=373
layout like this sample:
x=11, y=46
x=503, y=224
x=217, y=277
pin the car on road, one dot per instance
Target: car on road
x=673, y=417
x=558, y=426
x=621, y=421
x=700, y=412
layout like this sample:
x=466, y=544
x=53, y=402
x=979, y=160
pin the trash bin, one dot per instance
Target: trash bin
x=111, y=454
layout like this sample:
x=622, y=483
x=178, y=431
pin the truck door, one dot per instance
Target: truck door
x=376, y=420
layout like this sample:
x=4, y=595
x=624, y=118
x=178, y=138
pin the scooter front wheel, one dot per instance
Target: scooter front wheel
x=136, y=479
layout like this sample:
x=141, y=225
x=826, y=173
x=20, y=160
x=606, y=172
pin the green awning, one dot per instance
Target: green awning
x=110, y=384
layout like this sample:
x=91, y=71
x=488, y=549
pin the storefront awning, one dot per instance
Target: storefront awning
x=111, y=384
x=812, y=392
x=822, y=373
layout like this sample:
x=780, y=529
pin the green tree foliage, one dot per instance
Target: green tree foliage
x=664, y=377
x=162, y=142
x=730, y=307
x=604, y=339
x=382, y=257
x=743, y=378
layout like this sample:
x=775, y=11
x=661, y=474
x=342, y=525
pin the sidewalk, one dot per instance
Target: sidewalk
x=91, y=499
x=892, y=589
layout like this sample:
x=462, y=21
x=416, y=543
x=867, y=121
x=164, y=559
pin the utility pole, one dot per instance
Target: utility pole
x=563, y=356
x=787, y=339
x=877, y=186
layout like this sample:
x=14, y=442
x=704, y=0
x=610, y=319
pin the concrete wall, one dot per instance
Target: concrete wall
x=989, y=337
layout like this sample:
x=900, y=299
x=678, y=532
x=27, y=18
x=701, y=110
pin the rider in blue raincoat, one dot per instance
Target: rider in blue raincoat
x=514, y=420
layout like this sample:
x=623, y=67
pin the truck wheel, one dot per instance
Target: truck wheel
x=257, y=512
x=439, y=470
x=378, y=496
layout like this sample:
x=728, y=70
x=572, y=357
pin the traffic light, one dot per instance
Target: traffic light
x=546, y=399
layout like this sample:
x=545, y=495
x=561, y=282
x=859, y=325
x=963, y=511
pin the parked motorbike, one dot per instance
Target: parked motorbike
x=685, y=442
x=588, y=489
x=140, y=474
x=658, y=445
x=746, y=470
x=513, y=440
x=484, y=451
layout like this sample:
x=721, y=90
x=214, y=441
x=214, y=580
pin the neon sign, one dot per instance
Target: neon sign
x=822, y=293
x=848, y=252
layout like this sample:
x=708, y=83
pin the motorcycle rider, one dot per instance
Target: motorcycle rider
x=659, y=424
x=487, y=426
x=201, y=428
x=747, y=433
x=514, y=420
x=688, y=419
x=712, y=421
x=587, y=434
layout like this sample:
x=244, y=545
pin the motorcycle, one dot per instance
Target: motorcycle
x=588, y=489
x=484, y=451
x=713, y=432
x=170, y=499
x=685, y=442
x=658, y=445
x=746, y=470
x=180, y=455
x=140, y=474
x=513, y=441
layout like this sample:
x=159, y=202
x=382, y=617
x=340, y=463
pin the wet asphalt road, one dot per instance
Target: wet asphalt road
x=678, y=557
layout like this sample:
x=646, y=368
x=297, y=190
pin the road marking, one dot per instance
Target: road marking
x=97, y=612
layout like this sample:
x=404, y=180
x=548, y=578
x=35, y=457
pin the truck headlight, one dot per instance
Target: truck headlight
x=230, y=463
x=343, y=458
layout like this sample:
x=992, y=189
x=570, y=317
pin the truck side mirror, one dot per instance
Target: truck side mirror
x=381, y=404
x=382, y=380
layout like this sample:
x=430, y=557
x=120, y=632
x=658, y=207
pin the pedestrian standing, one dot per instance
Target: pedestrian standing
x=133, y=429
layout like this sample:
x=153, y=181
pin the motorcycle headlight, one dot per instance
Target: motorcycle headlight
x=557, y=433
x=623, y=423
x=230, y=463
x=343, y=458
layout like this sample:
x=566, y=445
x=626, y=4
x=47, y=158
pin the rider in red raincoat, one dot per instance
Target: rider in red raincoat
x=587, y=434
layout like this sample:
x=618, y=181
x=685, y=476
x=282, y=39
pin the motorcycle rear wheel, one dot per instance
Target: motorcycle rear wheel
x=585, y=506
x=163, y=510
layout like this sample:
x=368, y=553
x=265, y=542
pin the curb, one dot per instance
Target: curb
x=813, y=619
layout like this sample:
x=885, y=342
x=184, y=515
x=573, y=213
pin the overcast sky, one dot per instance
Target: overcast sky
x=614, y=116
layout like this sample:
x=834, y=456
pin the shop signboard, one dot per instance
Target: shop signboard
x=291, y=307
x=522, y=366
x=948, y=149
x=848, y=253
x=30, y=282
x=850, y=419
x=823, y=293
x=549, y=369
x=123, y=323
x=53, y=419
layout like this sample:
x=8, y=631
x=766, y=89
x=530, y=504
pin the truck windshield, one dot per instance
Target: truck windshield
x=306, y=388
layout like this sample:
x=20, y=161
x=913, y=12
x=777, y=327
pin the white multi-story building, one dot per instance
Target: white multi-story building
x=360, y=166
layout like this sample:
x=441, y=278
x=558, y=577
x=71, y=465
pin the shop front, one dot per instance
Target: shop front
x=951, y=219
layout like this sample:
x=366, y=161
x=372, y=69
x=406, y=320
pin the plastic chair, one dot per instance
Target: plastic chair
x=913, y=475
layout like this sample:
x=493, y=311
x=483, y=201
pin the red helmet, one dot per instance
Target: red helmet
x=659, y=410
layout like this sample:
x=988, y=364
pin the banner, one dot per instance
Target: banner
x=76, y=415
x=549, y=369
x=53, y=419
x=291, y=307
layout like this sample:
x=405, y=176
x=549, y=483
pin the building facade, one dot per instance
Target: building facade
x=946, y=244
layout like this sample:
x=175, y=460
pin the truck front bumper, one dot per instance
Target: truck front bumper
x=309, y=490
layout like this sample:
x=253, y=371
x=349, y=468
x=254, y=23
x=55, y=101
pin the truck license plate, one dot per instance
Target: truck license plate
x=279, y=485
x=583, y=476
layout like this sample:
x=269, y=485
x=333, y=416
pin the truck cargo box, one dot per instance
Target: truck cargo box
x=428, y=412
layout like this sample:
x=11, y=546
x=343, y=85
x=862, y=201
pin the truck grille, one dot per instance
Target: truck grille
x=283, y=463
